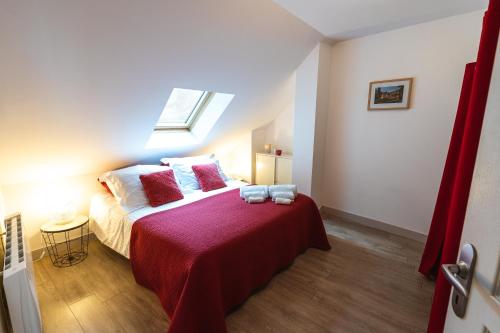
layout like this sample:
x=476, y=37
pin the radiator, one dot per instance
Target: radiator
x=18, y=280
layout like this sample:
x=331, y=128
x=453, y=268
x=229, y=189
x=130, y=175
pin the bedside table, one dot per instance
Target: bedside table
x=67, y=242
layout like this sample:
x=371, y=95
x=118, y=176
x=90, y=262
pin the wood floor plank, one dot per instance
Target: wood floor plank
x=69, y=281
x=137, y=314
x=366, y=283
x=56, y=315
x=95, y=316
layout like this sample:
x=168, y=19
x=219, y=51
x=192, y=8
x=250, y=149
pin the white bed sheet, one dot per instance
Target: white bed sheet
x=112, y=225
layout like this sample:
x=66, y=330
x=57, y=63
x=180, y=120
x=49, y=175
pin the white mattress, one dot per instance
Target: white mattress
x=112, y=225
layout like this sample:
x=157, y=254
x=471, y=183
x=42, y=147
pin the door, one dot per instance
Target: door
x=482, y=225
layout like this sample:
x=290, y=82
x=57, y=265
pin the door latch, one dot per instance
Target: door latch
x=460, y=276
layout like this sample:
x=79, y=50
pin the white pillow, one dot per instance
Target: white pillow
x=186, y=176
x=126, y=185
x=221, y=173
x=183, y=169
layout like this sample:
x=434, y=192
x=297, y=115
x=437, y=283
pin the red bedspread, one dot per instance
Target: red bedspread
x=205, y=258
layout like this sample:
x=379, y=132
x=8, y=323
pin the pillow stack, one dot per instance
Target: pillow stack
x=183, y=168
x=126, y=186
x=137, y=186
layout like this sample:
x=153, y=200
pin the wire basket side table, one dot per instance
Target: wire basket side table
x=67, y=242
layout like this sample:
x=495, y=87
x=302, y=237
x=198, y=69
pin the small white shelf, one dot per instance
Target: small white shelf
x=277, y=156
x=273, y=169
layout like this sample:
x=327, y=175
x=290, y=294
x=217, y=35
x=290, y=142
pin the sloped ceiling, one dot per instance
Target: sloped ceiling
x=82, y=83
x=344, y=19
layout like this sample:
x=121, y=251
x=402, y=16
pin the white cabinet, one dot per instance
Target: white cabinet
x=283, y=174
x=264, y=169
x=272, y=169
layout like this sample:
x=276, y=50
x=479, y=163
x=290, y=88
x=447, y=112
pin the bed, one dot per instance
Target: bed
x=112, y=225
x=205, y=254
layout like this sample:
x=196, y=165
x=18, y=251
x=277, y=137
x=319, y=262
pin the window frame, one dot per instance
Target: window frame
x=192, y=118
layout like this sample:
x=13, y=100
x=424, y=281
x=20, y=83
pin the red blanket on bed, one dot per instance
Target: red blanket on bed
x=205, y=258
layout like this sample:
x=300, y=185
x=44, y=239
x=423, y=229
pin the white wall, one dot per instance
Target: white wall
x=305, y=109
x=235, y=156
x=311, y=109
x=42, y=201
x=321, y=116
x=78, y=98
x=279, y=132
x=258, y=142
x=387, y=165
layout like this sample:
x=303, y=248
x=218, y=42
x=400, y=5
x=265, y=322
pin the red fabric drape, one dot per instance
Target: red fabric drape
x=446, y=228
x=432, y=252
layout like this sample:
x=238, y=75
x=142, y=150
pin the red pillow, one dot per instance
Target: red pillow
x=106, y=187
x=161, y=187
x=208, y=176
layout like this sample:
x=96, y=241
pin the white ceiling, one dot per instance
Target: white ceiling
x=82, y=83
x=344, y=19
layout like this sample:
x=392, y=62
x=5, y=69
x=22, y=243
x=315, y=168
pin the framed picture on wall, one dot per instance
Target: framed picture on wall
x=390, y=94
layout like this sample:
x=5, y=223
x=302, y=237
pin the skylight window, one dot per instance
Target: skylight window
x=187, y=118
x=183, y=108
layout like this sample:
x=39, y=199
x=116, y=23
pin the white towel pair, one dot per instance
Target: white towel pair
x=283, y=201
x=254, y=188
x=260, y=194
x=255, y=196
x=281, y=194
x=283, y=188
x=278, y=200
x=253, y=200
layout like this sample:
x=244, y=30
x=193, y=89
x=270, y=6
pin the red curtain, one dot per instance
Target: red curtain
x=446, y=228
x=432, y=252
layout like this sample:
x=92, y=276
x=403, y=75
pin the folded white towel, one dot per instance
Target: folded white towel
x=283, y=195
x=248, y=194
x=253, y=188
x=283, y=188
x=252, y=200
x=283, y=201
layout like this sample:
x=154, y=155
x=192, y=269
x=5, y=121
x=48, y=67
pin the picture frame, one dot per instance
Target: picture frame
x=390, y=94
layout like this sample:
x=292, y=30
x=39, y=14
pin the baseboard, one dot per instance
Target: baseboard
x=36, y=254
x=367, y=222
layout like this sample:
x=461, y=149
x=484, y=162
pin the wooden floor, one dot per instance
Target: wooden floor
x=366, y=283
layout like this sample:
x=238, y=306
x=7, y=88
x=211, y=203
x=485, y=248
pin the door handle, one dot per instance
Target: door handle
x=460, y=276
x=451, y=273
